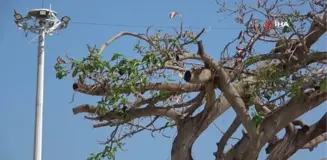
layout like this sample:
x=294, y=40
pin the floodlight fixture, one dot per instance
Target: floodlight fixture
x=65, y=19
x=18, y=17
x=43, y=13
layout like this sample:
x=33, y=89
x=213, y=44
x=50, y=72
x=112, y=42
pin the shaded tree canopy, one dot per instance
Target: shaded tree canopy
x=170, y=80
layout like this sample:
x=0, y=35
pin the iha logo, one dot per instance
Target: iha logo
x=272, y=22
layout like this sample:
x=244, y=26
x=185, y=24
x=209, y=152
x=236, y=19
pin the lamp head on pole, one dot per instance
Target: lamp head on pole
x=65, y=20
x=47, y=17
x=43, y=13
x=18, y=17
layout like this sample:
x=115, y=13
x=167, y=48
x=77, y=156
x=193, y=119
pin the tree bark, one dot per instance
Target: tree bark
x=183, y=142
x=294, y=141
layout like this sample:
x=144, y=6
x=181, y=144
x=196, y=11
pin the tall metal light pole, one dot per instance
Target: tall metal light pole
x=45, y=22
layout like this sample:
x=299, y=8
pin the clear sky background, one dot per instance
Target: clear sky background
x=70, y=137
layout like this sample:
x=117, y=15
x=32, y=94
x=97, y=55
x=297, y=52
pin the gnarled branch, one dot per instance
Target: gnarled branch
x=102, y=89
x=131, y=113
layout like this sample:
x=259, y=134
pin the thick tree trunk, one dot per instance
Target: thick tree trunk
x=285, y=149
x=183, y=142
x=190, y=129
x=239, y=150
x=294, y=141
x=182, y=148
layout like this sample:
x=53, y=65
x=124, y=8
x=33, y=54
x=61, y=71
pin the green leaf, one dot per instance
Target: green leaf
x=116, y=56
x=123, y=62
x=121, y=71
x=286, y=29
x=173, y=41
x=101, y=67
x=61, y=75
x=163, y=93
x=132, y=88
x=97, y=157
x=58, y=67
x=296, y=89
x=143, y=80
x=251, y=60
x=257, y=119
x=107, y=64
x=73, y=65
x=267, y=96
x=323, y=85
x=146, y=58
x=76, y=70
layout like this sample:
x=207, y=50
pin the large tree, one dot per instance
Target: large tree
x=268, y=91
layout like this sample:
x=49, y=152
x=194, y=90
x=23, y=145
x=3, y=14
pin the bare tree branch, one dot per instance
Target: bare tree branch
x=101, y=90
x=131, y=114
x=222, y=143
x=120, y=35
x=315, y=142
x=231, y=94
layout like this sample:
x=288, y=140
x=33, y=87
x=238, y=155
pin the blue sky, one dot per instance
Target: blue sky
x=66, y=136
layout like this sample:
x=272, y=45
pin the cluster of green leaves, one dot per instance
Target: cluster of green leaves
x=256, y=118
x=108, y=152
x=251, y=61
x=268, y=80
x=323, y=85
x=122, y=76
x=296, y=88
x=252, y=93
x=90, y=64
x=291, y=19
